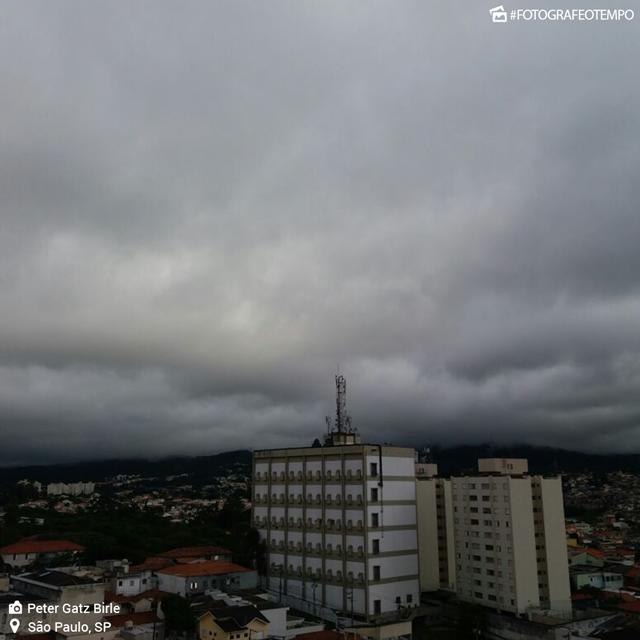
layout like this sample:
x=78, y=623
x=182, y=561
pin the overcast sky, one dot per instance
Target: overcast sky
x=205, y=207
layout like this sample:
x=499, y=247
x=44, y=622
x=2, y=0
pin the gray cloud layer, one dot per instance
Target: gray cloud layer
x=206, y=206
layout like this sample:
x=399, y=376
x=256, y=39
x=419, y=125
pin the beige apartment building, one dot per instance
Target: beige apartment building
x=496, y=538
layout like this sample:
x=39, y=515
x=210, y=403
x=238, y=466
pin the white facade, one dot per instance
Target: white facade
x=508, y=546
x=131, y=584
x=340, y=526
x=73, y=489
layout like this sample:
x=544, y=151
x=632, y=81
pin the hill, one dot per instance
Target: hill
x=450, y=460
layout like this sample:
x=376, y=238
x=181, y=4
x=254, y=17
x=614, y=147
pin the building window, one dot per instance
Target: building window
x=409, y=598
x=373, y=469
x=375, y=546
x=376, y=572
x=377, y=606
x=374, y=494
x=375, y=520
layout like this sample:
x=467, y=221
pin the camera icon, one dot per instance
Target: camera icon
x=498, y=14
x=15, y=608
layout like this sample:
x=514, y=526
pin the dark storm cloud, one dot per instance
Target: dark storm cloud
x=205, y=208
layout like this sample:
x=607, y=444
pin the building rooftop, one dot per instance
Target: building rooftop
x=336, y=449
x=193, y=552
x=150, y=564
x=55, y=578
x=503, y=466
x=150, y=594
x=8, y=597
x=210, y=568
x=262, y=603
x=234, y=618
x=594, y=553
x=41, y=546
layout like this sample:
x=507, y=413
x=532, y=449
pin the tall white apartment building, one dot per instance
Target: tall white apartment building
x=509, y=549
x=339, y=522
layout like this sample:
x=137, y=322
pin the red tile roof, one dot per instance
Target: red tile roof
x=194, y=552
x=210, y=568
x=150, y=564
x=27, y=545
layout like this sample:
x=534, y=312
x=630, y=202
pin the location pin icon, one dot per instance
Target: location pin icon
x=14, y=623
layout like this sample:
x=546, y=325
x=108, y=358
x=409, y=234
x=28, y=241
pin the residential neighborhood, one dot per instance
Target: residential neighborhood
x=308, y=522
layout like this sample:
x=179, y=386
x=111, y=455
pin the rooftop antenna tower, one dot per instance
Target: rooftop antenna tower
x=341, y=431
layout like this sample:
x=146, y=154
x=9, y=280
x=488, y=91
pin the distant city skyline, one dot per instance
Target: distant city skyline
x=204, y=210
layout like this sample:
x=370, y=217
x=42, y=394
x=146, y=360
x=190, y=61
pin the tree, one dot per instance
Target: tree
x=471, y=623
x=177, y=614
x=252, y=551
x=233, y=512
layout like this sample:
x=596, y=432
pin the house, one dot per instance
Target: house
x=152, y=564
x=58, y=588
x=137, y=626
x=232, y=623
x=599, y=578
x=195, y=578
x=282, y=623
x=632, y=576
x=621, y=556
x=135, y=582
x=28, y=551
x=584, y=556
x=137, y=603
